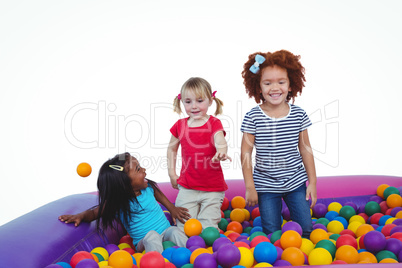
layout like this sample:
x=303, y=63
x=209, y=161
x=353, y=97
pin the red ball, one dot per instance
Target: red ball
x=241, y=244
x=129, y=250
x=233, y=236
x=255, y=213
x=258, y=239
x=79, y=256
x=348, y=232
x=384, y=207
x=225, y=204
x=128, y=240
x=386, y=230
x=152, y=259
x=277, y=243
x=375, y=218
x=346, y=239
x=361, y=242
x=364, y=215
x=397, y=236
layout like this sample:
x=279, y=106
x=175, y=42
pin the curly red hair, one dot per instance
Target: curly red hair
x=281, y=58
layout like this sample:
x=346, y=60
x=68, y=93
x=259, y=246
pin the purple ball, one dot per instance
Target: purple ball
x=376, y=198
x=205, y=260
x=286, y=214
x=241, y=237
x=228, y=255
x=87, y=263
x=195, y=241
x=395, y=210
x=320, y=210
x=281, y=263
x=111, y=248
x=279, y=251
x=361, y=209
x=374, y=241
x=400, y=256
x=319, y=226
x=292, y=225
x=220, y=242
x=394, y=245
x=396, y=229
x=246, y=224
x=397, y=222
x=244, y=240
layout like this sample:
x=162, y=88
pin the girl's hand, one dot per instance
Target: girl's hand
x=173, y=181
x=76, y=219
x=311, y=192
x=251, y=197
x=220, y=157
x=180, y=213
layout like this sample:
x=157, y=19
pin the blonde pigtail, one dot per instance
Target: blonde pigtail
x=176, y=105
x=219, y=105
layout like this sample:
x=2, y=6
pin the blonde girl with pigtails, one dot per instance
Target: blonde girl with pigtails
x=201, y=136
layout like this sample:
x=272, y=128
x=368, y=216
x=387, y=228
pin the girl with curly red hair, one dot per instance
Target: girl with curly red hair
x=278, y=130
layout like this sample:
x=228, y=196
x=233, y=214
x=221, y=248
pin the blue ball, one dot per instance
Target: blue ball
x=331, y=215
x=383, y=219
x=181, y=256
x=265, y=252
x=167, y=253
x=64, y=264
x=256, y=229
x=257, y=221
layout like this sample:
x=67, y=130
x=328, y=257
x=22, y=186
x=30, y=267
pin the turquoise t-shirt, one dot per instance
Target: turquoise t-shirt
x=147, y=215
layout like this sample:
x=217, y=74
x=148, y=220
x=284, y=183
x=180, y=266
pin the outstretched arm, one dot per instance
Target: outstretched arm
x=221, y=147
x=177, y=212
x=171, y=160
x=308, y=161
x=86, y=216
x=247, y=145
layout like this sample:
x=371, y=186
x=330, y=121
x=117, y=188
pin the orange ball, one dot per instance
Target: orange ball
x=192, y=227
x=84, y=169
x=348, y=254
x=235, y=226
x=363, y=229
x=367, y=257
x=121, y=258
x=380, y=190
x=291, y=238
x=317, y=235
x=394, y=200
x=238, y=215
x=238, y=202
x=293, y=255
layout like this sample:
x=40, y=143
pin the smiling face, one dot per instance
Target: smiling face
x=137, y=175
x=196, y=106
x=274, y=85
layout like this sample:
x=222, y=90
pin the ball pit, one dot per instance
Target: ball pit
x=356, y=192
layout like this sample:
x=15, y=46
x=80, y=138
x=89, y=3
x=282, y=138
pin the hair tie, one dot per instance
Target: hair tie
x=179, y=96
x=213, y=94
x=256, y=66
x=116, y=167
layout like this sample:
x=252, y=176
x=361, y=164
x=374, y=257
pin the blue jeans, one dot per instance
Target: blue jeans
x=270, y=205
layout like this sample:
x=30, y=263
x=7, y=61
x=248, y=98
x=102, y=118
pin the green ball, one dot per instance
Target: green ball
x=210, y=234
x=188, y=265
x=328, y=245
x=258, y=233
x=371, y=208
x=323, y=221
x=247, y=230
x=347, y=212
x=168, y=244
x=223, y=224
x=227, y=213
x=334, y=236
x=385, y=254
x=275, y=236
x=390, y=190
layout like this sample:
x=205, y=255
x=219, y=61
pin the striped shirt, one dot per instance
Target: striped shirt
x=278, y=163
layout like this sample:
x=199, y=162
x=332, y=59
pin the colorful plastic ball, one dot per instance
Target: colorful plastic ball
x=225, y=204
x=394, y=245
x=64, y=264
x=293, y=255
x=307, y=246
x=258, y=239
x=220, y=242
x=84, y=169
x=292, y=225
x=246, y=257
x=195, y=241
x=367, y=257
x=371, y=208
x=247, y=213
x=196, y=253
x=282, y=263
x=327, y=245
x=394, y=200
x=263, y=264
x=385, y=254
x=363, y=229
x=210, y=234
x=319, y=210
x=335, y=227
x=238, y=215
x=228, y=255
x=102, y=251
x=192, y=227
x=87, y=263
x=346, y=240
x=353, y=227
x=348, y=254
x=79, y=256
x=374, y=241
x=180, y=257
x=238, y=202
x=318, y=235
x=255, y=234
x=347, y=212
x=388, y=260
x=223, y=224
x=167, y=253
x=321, y=226
x=256, y=229
x=265, y=252
x=330, y=215
x=111, y=248
x=168, y=244
x=334, y=206
x=275, y=236
x=233, y=236
x=380, y=189
x=255, y=213
x=290, y=238
x=205, y=260
x=390, y=190
x=152, y=259
x=121, y=259
x=235, y=226
x=319, y=256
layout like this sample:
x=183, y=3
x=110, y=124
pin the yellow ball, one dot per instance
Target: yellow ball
x=246, y=257
x=357, y=218
x=354, y=225
x=334, y=206
x=263, y=264
x=335, y=227
x=320, y=256
x=84, y=169
x=307, y=246
x=123, y=245
x=102, y=251
x=103, y=264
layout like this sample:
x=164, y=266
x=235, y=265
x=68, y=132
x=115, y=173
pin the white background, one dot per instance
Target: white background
x=82, y=81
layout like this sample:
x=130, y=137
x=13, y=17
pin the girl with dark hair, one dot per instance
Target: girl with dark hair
x=127, y=196
x=284, y=159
